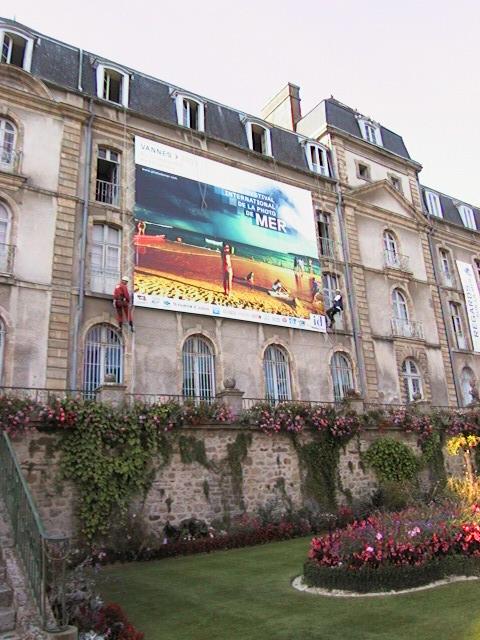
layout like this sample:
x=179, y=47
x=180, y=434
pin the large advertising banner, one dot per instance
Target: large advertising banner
x=472, y=300
x=219, y=241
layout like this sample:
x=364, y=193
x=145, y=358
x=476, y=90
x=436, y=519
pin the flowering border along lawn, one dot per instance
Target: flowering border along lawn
x=397, y=550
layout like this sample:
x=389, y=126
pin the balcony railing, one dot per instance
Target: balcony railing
x=107, y=192
x=407, y=328
x=394, y=260
x=7, y=255
x=327, y=247
x=447, y=279
x=8, y=158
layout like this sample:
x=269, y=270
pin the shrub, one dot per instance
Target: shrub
x=391, y=460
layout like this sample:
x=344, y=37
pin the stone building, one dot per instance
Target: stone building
x=68, y=124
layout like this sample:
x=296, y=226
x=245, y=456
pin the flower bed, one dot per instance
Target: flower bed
x=395, y=551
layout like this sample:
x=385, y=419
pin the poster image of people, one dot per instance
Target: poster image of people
x=216, y=240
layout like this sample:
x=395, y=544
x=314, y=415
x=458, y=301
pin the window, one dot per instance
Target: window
x=3, y=334
x=6, y=251
x=468, y=217
x=467, y=381
x=112, y=85
x=400, y=307
x=445, y=267
x=16, y=49
x=396, y=182
x=106, y=251
x=258, y=138
x=103, y=356
x=331, y=283
x=433, y=204
x=457, y=325
x=107, y=187
x=276, y=368
x=412, y=382
x=190, y=112
x=370, y=132
x=326, y=244
x=8, y=136
x=363, y=171
x=198, y=369
x=342, y=375
x=317, y=159
x=477, y=267
x=392, y=257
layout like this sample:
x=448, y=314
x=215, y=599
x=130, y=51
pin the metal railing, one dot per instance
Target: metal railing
x=44, y=556
x=8, y=158
x=107, y=192
x=447, y=279
x=248, y=403
x=41, y=395
x=162, y=398
x=394, y=260
x=461, y=340
x=407, y=328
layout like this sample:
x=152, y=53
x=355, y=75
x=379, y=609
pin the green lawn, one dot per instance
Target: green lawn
x=246, y=594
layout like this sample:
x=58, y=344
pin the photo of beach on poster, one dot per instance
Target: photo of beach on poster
x=216, y=240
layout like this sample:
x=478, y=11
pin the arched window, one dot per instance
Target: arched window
x=412, y=381
x=103, y=356
x=342, y=375
x=16, y=49
x=400, y=307
x=276, y=368
x=392, y=258
x=198, y=368
x=8, y=137
x=6, y=252
x=258, y=137
x=3, y=333
x=467, y=380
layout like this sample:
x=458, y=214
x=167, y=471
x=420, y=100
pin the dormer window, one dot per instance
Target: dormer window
x=112, y=85
x=258, y=138
x=468, y=218
x=370, y=131
x=16, y=49
x=317, y=158
x=190, y=112
x=433, y=204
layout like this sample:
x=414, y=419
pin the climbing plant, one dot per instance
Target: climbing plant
x=392, y=460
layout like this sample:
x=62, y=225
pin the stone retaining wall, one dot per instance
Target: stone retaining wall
x=272, y=476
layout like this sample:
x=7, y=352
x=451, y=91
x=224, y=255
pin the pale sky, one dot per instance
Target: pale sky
x=411, y=65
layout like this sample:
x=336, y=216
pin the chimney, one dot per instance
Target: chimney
x=284, y=108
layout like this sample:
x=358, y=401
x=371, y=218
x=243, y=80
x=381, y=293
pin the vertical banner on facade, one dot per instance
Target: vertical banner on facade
x=472, y=300
x=216, y=240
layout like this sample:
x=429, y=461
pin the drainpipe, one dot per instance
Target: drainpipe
x=439, y=291
x=83, y=247
x=80, y=68
x=349, y=287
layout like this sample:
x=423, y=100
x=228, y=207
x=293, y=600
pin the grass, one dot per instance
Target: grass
x=245, y=594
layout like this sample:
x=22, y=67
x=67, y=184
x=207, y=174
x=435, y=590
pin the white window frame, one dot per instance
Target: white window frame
x=446, y=266
x=7, y=155
x=102, y=278
x=183, y=121
x=320, y=165
x=198, y=365
x=466, y=378
x=277, y=376
x=125, y=85
x=390, y=246
x=267, y=139
x=467, y=216
x=433, y=204
x=27, y=58
x=342, y=375
x=412, y=380
x=457, y=324
x=400, y=306
x=370, y=131
x=106, y=343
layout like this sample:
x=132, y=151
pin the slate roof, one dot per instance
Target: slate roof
x=58, y=63
x=450, y=206
x=336, y=114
